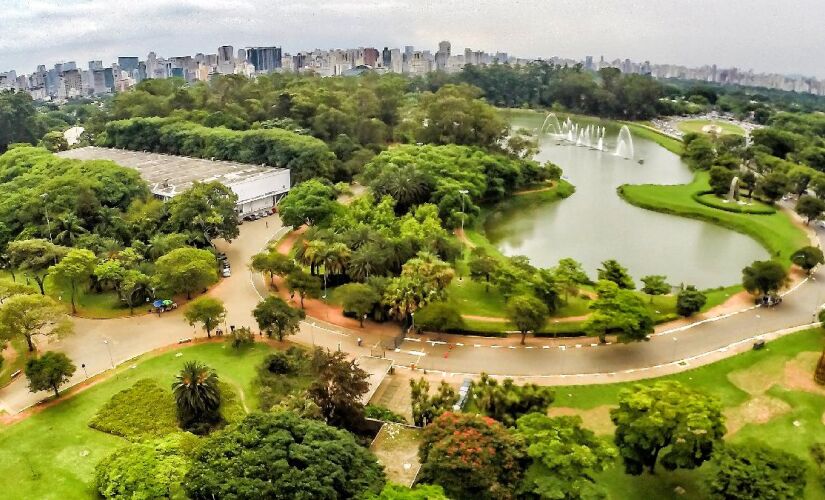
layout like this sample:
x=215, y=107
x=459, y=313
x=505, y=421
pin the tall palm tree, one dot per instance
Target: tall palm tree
x=312, y=254
x=363, y=263
x=68, y=228
x=197, y=394
x=335, y=258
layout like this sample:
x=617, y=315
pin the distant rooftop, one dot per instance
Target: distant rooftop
x=169, y=175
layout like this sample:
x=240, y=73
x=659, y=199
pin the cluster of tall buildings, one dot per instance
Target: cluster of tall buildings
x=67, y=80
x=713, y=74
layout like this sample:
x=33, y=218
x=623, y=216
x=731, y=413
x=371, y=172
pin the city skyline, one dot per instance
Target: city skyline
x=786, y=43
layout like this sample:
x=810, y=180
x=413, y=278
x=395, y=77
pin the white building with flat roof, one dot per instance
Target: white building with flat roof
x=259, y=188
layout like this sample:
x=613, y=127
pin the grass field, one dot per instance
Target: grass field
x=768, y=395
x=695, y=126
x=644, y=130
x=776, y=232
x=51, y=455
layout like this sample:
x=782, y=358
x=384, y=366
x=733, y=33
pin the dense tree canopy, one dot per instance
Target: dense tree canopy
x=279, y=455
x=755, y=471
x=565, y=457
x=471, y=457
x=507, y=401
x=306, y=157
x=666, y=417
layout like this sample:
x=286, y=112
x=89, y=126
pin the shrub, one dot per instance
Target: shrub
x=241, y=337
x=142, y=411
x=384, y=414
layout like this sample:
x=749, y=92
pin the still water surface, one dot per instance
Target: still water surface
x=594, y=224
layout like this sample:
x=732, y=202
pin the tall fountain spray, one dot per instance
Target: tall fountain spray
x=624, y=144
x=551, y=125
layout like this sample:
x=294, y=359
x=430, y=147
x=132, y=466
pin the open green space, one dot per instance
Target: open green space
x=776, y=232
x=52, y=454
x=648, y=132
x=751, y=206
x=696, y=126
x=774, y=372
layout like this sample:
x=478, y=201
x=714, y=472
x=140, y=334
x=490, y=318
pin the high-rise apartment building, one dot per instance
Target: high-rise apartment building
x=265, y=59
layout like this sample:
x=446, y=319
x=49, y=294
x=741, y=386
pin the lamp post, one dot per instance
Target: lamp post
x=109, y=349
x=44, y=196
x=463, y=192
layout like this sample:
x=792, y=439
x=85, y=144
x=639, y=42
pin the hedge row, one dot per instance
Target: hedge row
x=305, y=156
x=731, y=207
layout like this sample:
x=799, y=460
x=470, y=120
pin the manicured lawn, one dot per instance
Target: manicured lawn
x=644, y=130
x=695, y=126
x=773, y=372
x=52, y=454
x=777, y=233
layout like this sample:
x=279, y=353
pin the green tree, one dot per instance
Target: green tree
x=49, y=371
x=279, y=455
x=305, y=284
x=359, y=299
x=666, y=417
x=655, y=284
x=186, y=270
x=74, y=271
x=528, y=313
x=570, y=276
x=810, y=207
x=311, y=202
x=471, y=456
x=773, y=186
x=10, y=289
x=29, y=315
x=150, y=469
x=506, y=402
x=427, y=407
x=54, y=142
x=619, y=310
x=615, y=272
x=720, y=180
x=208, y=311
x=482, y=266
x=111, y=271
x=565, y=457
x=439, y=317
x=764, y=277
x=273, y=262
x=275, y=316
x=754, y=471
x=690, y=301
x=700, y=154
x=205, y=211
x=338, y=389
x=35, y=257
x=197, y=396
x=18, y=119
x=135, y=288
x=417, y=492
x=808, y=258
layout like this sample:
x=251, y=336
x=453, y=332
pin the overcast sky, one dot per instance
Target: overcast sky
x=786, y=36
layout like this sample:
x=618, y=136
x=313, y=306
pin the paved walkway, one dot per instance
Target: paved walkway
x=100, y=344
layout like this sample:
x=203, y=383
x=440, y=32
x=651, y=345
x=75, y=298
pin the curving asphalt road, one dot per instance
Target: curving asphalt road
x=102, y=344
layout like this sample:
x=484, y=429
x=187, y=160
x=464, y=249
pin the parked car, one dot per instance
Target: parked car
x=226, y=272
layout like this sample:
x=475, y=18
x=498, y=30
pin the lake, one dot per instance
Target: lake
x=594, y=224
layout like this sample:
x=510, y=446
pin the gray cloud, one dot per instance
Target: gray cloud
x=759, y=34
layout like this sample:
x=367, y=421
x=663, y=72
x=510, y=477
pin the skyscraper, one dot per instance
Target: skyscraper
x=128, y=64
x=226, y=54
x=442, y=56
x=265, y=59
